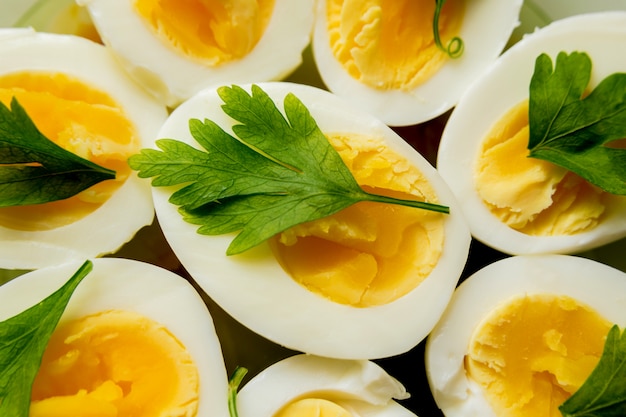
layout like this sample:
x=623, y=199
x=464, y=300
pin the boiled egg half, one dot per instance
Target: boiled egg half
x=368, y=282
x=517, y=204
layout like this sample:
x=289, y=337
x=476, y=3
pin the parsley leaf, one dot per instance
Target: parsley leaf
x=279, y=173
x=35, y=170
x=603, y=394
x=23, y=340
x=572, y=131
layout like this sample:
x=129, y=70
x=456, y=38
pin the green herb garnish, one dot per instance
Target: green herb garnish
x=35, y=170
x=571, y=131
x=279, y=173
x=455, y=46
x=603, y=394
x=233, y=386
x=23, y=340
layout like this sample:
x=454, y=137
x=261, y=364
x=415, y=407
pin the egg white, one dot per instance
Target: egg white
x=501, y=87
x=172, y=77
x=130, y=207
x=486, y=28
x=142, y=288
x=256, y=291
x=597, y=285
x=360, y=386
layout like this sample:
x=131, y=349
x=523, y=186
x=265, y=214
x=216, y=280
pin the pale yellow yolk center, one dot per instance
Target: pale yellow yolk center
x=389, y=44
x=313, y=407
x=80, y=119
x=212, y=31
x=115, y=363
x=369, y=253
x=533, y=196
x=531, y=354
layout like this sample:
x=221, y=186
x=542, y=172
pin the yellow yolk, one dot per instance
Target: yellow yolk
x=116, y=363
x=533, y=196
x=313, y=407
x=212, y=31
x=531, y=354
x=369, y=253
x=80, y=119
x=389, y=44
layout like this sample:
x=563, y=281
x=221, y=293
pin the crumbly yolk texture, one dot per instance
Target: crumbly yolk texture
x=84, y=121
x=369, y=253
x=313, y=407
x=534, y=352
x=211, y=31
x=115, y=363
x=389, y=44
x=530, y=195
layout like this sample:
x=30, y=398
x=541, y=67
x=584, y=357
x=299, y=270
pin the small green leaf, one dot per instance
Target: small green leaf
x=278, y=173
x=603, y=394
x=23, y=340
x=35, y=170
x=573, y=132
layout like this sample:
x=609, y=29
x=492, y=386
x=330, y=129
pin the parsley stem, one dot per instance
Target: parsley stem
x=455, y=47
x=233, y=385
x=408, y=203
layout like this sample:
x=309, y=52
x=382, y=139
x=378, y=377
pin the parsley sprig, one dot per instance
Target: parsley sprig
x=35, y=170
x=574, y=132
x=278, y=173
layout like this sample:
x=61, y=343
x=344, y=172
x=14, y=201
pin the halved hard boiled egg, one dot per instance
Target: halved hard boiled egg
x=79, y=98
x=135, y=339
x=367, y=282
x=311, y=386
x=521, y=205
x=522, y=334
x=175, y=48
x=382, y=56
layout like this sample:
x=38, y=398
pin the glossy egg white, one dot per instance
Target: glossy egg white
x=594, y=284
x=172, y=77
x=504, y=85
x=151, y=291
x=254, y=289
x=360, y=386
x=484, y=36
x=130, y=207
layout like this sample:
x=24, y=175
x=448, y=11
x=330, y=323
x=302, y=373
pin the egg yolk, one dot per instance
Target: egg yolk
x=80, y=119
x=211, y=31
x=369, y=253
x=389, y=44
x=115, y=363
x=313, y=407
x=530, y=195
x=533, y=353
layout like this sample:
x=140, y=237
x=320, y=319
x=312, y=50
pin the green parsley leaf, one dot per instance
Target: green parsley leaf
x=603, y=394
x=233, y=386
x=572, y=131
x=35, y=170
x=23, y=340
x=279, y=173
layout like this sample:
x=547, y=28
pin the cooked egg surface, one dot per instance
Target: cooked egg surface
x=253, y=287
x=530, y=341
x=514, y=204
x=135, y=339
x=313, y=386
x=370, y=253
x=176, y=48
x=78, y=97
x=381, y=55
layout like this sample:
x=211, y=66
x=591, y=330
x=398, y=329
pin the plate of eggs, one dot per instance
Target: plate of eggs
x=494, y=294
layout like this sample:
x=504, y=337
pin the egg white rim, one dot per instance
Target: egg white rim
x=21, y=49
x=159, y=67
x=484, y=37
x=601, y=287
x=241, y=284
x=142, y=288
x=600, y=35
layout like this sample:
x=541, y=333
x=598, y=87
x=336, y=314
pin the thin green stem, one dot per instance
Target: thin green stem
x=455, y=47
x=233, y=385
x=408, y=203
